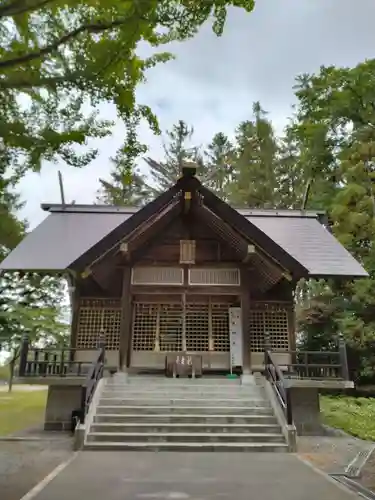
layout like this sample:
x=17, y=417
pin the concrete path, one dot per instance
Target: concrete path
x=190, y=476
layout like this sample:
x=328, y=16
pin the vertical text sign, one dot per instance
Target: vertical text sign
x=235, y=333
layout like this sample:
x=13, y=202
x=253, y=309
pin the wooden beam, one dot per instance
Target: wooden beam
x=157, y=221
x=126, y=320
x=222, y=229
x=250, y=252
x=75, y=304
x=245, y=315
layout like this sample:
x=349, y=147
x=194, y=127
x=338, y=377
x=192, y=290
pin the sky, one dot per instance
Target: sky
x=213, y=82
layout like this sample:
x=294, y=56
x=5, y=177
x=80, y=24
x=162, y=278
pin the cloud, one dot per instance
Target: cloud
x=213, y=82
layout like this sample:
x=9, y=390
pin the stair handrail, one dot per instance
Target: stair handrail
x=276, y=378
x=94, y=375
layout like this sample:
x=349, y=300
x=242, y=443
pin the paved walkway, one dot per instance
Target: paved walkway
x=190, y=476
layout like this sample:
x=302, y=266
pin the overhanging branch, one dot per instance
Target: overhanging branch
x=21, y=6
x=85, y=28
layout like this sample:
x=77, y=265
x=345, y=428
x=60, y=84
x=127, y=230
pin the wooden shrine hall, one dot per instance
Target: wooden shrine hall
x=185, y=274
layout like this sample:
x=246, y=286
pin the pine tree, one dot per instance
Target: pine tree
x=176, y=153
x=218, y=165
x=254, y=183
x=127, y=187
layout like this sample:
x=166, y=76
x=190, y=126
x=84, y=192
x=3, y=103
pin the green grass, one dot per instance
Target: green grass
x=4, y=372
x=356, y=416
x=20, y=410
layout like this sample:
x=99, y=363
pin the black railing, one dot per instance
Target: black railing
x=307, y=365
x=275, y=376
x=316, y=365
x=92, y=380
x=50, y=362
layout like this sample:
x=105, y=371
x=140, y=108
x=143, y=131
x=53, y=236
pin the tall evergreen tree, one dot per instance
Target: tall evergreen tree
x=254, y=183
x=218, y=165
x=177, y=151
x=126, y=187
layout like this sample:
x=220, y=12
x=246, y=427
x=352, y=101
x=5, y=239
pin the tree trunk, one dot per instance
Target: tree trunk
x=11, y=374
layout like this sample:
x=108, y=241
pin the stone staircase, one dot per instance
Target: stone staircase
x=208, y=414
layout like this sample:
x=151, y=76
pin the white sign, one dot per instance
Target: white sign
x=235, y=335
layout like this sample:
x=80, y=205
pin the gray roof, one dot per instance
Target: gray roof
x=68, y=233
x=60, y=239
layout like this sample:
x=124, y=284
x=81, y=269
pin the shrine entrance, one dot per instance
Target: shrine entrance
x=181, y=323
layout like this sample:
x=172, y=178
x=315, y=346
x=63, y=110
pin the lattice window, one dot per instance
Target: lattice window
x=160, y=327
x=196, y=328
x=220, y=327
x=170, y=327
x=273, y=320
x=154, y=275
x=211, y=276
x=145, y=318
x=95, y=316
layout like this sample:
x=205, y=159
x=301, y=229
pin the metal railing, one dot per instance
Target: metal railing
x=307, y=365
x=92, y=380
x=275, y=376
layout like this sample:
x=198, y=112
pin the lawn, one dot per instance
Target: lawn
x=356, y=416
x=20, y=410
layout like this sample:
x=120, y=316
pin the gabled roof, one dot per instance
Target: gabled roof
x=73, y=235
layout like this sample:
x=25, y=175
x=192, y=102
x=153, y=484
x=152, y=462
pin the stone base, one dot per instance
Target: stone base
x=247, y=379
x=306, y=411
x=61, y=401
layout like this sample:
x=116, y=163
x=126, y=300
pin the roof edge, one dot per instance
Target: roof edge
x=246, y=212
x=73, y=208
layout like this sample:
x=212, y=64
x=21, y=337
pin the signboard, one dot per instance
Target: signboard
x=235, y=335
x=183, y=365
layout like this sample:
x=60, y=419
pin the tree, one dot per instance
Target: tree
x=338, y=104
x=124, y=189
x=176, y=152
x=29, y=303
x=254, y=182
x=218, y=165
x=58, y=57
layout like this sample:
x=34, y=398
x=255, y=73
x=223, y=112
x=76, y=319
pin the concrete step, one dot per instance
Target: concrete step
x=164, y=381
x=183, y=419
x=184, y=388
x=180, y=386
x=181, y=437
x=173, y=393
x=188, y=401
x=186, y=409
x=184, y=428
x=204, y=447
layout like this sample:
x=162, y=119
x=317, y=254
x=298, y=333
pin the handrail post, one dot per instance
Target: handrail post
x=102, y=342
x=343, y=358
x=83, y=404
x=267, y=347
x=23, y=355
x=288, y=403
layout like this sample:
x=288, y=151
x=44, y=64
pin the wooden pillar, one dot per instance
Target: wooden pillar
x=74, y=296
x=292, y=327
x=245, y=313
x=126, y=319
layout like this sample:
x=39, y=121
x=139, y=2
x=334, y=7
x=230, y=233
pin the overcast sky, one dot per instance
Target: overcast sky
x=214, y=81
